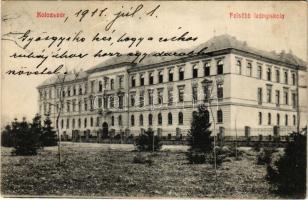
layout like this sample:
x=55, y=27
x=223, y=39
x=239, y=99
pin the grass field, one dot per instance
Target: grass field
x=98, y=170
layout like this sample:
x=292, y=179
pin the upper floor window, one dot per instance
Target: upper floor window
x=269, y=74
x=219, y=116
x=74, y=90
x=286, y=77
x=160, y=76
x=181, y=94
x=269, y=119
x=249, y=69
x=260, y=118
x=132, y=99
x=79, y=123
x=220, y=67
x=293, y=79
x=132, y=120
x=277, y=76
x=286, y=97
x=150, y=119
x=207, y=69
x=195, y=93
x=111, y=84
x=181, y=73
x=169, y=118
x=170, y=97
x=85, y=122
x=121, y=81
x=160, y=96
x=277, y=97
x=141, y=120
x=112, y=121
x=92, y=86
x=133, y=81
x=151, y=78
x=170, y=75
x=269, y=94
x=259, y=72
x=278, y=119
x=141, y=99
x=120, y=120
x=239, y=66
x=286, y=120
x=180, y=118
x=80, y=90
x=91, y=121
x=294, y=100
x=100, y=86
x=67, y=123
x=159, y=119
x=260, y=96
x=141, y=79
x=220, y=91
x=69, y=91
x=195, y=71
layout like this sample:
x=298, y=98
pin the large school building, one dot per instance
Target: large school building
x=245, y=90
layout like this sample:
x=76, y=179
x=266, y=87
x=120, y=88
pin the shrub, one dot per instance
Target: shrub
x=288, y=175
x=199, y=138
x=48, y=137
x=145, y=142
x=142, y=159
x=7, y=136
x=265, y=154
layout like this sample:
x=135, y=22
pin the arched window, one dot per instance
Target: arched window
x=239, y=66
x=169, y=118
x=180, y=118
x=111, y=84
x=207, y=69
x=133, y=81
x=220, y=67
x=259, y=72
x=260, y=118
x=286, y=77
x=112, y=121
x=293, y=79
x=100, y=86
x=269, y=74
x=151, y=78
x=150, y=119
x=160, y=76
x=120, y=120
x=269, y=120
x=181, y=73
x=219, y=116
x=141, y=79
x=286, y=120
x=159, y=119
x=195, y=71
x=132, y=120
x=141, y=120
x=278, y=119
x=170, y=73
x=277, y=75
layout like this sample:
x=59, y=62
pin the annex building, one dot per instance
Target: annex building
x=247, y=92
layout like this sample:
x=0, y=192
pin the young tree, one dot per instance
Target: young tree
x=200, y=140
x=7, y=136
x=148, y=142
x=48, y=137
x=27, y=138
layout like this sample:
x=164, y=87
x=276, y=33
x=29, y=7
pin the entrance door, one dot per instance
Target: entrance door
x=105, y=130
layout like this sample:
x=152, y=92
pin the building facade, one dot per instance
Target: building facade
x=246, y=91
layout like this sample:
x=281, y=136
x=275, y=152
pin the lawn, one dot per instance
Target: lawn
x=97, y=170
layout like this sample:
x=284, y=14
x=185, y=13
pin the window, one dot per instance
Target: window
x=111, y=84
x=141, y=99
x=220, y=65
x=206, y=93
x=73, y=123
x=207, y=69
x=293, y=100
x=294, y=120
x=141, y=120
x=74, y=90
x=92, y=86
x=133, y=81
x=91, y=122
x=150, y=119
x=151, y=78
x=79, y=123
x=180, y=118
x=120, y=120
x=111, y=101
x=112, y=121
x=105, y=102
x=74, y=105
x=239, y=66
x=160, y=76
x=86, y=88
x=286, y=97
x=159, y=119
x=132, y=99
x=92, y=103
x=277, y=76
x=169, y=118
x=100, y=86
x=141, y=79
x=277, y=94
x=293, y=79
x=160, y=96
x=62, y=123
x=68, y=106
x=69, y=91
x=150, y=95
x=278, y=119
x=260, y=118
x=286, y=77
x=219, y=116
x=181, y=94
x=269, y=119
x=132, y=120
x=195, y=71
x=260, y=96
x=249, y=69
x=80, y=90
x=269, y=94
x=170, y=75
x=97, y=121
x=85, y=122
x=259, y=72
x=121, y=81
x=286, y=120
x=181, y=73
x=79, y=106
x=195, y=93
x=269, y=74
x=220, y=91
x=170, y=97
x=121, y=101
x=100, y=102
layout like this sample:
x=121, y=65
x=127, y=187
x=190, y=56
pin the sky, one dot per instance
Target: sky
x=204, y=20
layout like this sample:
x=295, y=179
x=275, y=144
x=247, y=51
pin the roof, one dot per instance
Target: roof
x=68, y=77
x=216, y=43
